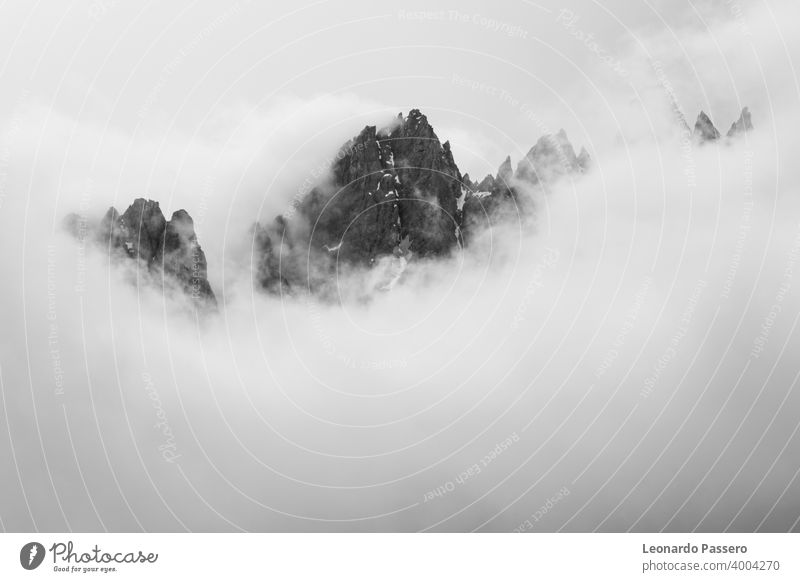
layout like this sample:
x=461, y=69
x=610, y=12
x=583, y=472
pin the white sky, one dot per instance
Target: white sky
x=226, y=109
x=153, y=68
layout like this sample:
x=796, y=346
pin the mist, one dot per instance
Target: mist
x=622, y=362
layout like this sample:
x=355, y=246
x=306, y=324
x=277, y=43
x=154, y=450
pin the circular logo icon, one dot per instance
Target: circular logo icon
x=31, y=555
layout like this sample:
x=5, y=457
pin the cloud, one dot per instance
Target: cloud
x=633, y=348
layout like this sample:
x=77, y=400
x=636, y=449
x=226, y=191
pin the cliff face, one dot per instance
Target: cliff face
x=393, y=185
x=387, y=184
x=392, y=194
x=552, y=157
x=704, y=130
x=166, y=249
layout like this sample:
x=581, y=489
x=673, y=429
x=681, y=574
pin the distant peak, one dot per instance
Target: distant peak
x=704, y=129
x=741, y=125
x=416, y=116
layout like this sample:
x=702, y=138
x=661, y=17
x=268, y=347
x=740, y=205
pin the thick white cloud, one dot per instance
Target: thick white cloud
x=634, y=348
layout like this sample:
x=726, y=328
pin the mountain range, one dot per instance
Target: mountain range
x=392, y=193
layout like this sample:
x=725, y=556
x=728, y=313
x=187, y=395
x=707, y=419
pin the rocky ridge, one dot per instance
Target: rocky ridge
x=393, y=192
x=166, y=249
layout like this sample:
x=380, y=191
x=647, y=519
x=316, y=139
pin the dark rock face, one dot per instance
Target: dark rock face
x=741, y=125
x=492, y=201
x=167, y=249
x=505, y=198
x=399, y=184
x=387, y=184
x=265, y=257
x=183, y=259
x=704, y=130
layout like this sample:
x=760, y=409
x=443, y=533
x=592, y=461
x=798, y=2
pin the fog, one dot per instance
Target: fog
x=625, y=362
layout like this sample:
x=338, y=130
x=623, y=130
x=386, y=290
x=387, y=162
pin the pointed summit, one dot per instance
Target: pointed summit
x=486, y=185
x=552, y=156
x=504, y=172
x=168, y=251
x=384, y=185
x=704, y=129
x=741, y=125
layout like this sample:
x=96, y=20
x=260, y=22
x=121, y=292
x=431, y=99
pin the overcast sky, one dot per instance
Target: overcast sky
x=198, y=68
x=614, y=345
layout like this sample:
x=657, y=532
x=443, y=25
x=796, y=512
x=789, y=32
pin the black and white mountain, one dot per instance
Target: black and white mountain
x=392, y=192
x=167, y=251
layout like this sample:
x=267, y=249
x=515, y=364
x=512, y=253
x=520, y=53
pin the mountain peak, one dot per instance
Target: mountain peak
x=504, y=172
x=166, y=249
x=551, y=156
x=741, y=125
x=704, y=129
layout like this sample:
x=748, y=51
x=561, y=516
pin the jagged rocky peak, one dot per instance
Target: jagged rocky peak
x=704, y=129
x=741, y=125
x=184, y=259
x=487, y=184
x=550, y=158
x=146, y=226
x=265, y=256
x=504, y=173
x=468, y=184
x=399, y=183
x=165, y=248
x=387, y=184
